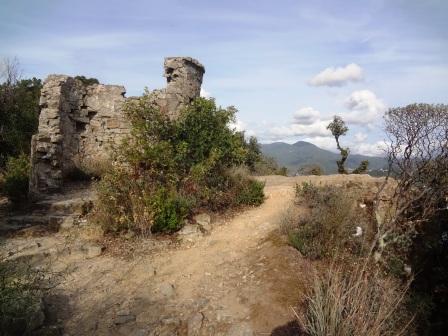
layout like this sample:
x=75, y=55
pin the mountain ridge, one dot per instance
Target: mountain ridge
x=302, y=153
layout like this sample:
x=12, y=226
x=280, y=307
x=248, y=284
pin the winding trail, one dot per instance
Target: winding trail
x=239, y=279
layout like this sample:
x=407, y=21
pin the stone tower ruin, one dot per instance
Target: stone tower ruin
x=79, y=124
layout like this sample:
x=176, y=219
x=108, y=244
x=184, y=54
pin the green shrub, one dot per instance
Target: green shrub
x=16, y=178
x=312, y=169
x=168, y=168
x=268, y=166
x=251, y=193
x=254, y=155
x=170, y=211
x=119, y=199
x=20, y=299
x=87, y=81
x=329, y=224
x=309, y=192
x=362, y=168
x=19, y=115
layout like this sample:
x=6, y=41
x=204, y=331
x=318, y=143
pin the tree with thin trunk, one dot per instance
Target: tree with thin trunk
x=338, y=129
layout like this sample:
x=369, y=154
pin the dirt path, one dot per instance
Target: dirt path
x=240, y=279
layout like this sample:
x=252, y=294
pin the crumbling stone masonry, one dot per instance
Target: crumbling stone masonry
x=79, y=124
x=184, y=79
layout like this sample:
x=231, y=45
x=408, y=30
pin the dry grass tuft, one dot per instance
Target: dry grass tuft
x=355, y=302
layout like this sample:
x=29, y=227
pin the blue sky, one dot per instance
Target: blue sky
x=288, y=66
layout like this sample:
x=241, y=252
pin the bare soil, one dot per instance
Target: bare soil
x=240, y=278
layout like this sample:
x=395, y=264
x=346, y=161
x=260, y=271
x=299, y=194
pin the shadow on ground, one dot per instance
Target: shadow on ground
x=291, y=328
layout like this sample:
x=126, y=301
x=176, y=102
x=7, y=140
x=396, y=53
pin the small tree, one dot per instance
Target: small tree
x=362, y=168
x=19, y=110
x=418, y=160
x=253, y=153
x=312, y=169
x=338, y=129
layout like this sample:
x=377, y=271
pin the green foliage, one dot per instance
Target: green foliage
x=87, y=81
x=251, y=193
x=16, y=178
x=197, y=143
x=167, y=168
x=338, y=129
x=20, y=299
x=268, y=166
x=254, y=155
x=119, y=198
x=330, y=223
x=313, y=169
x=170, y=209
x=308, y=191
x=363, y=167
x=19, y=116
x=283, y=171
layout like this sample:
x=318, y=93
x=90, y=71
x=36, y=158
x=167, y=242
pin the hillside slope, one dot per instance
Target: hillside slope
x=304, y=153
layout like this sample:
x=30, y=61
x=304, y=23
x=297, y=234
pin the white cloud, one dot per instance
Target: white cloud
x=306, y=116
x=318, y=128
x=371, y=149
x=360, y=137
x=238, y=125
x=204, y=93
x=365, y=107
x=338, y=76
x=323, y=142
x=306, y=122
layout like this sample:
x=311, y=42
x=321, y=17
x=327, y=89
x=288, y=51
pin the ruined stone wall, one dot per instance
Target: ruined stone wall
x=79, y=123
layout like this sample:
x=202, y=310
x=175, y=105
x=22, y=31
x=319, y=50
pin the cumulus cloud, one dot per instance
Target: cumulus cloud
x=360, y=137
x=204, y=93
x=323, y=142
x=337, y=76
x=306, y=116
x=240, y=126
x=365, y=107
x=318, y=128
x=306, y=122
x=370, y=149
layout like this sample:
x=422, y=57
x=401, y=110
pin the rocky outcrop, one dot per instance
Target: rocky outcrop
x=80, y=123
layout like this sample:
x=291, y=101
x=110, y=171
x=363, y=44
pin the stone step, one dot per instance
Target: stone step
x=24, y=221
x=76, y=206
x=55, y=212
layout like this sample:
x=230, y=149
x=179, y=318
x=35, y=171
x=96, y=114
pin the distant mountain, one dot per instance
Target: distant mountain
x=303, y=153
